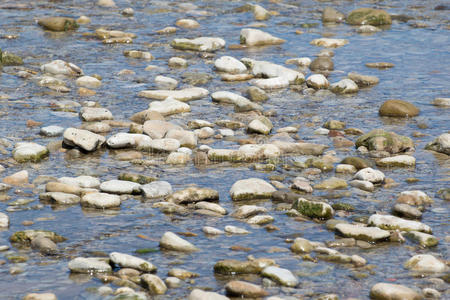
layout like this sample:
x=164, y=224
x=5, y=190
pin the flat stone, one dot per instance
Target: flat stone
x=40, y=296
x=171, y=241
x=381, y=140
x=241, y=103
x=230, y=65
x=329, y=43
x=120, y=187
x=81, y=181
x=51, y=131
x=192, y=195
x=398, y=108
x=24, y=152
x=60, y=67
x=363, y=185
x=407, y=211
x=332, y=183
x=424, y=239
x=440, y=144
x=100, y=200
x=4, y=220
x=260, y=220
x=271, y=83
x=246, y=211
x=313, y=209
x=425, y=263
x=212, y=230
x=363, y=80
x=88, y=82
x=128, y=261
x=302, y=245
x=182, y=274
x=383, y=291
x=185, y=137
x=157, y=129
x=235, y=230
x=369, y=174
x=197, y=294
x=368, y=16
x=90, y=265
x=208, y=44
x=233, y=266
x=444, y=102
x=154, y=284
x=256, y=37
x=83, y=139
x=44, y=245
x=244, y=289
x=252, y=188
x=388, y=222
x=18, y=178
x=369, y=234
x=156, y=189
x=344, y=86
x=169, y=106
x=280, y=275
x=183, y=95
x=60, y=198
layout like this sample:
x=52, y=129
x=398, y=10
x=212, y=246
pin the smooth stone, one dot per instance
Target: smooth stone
x=389, y=222
x=425, y=263
x=367, y=29
x=128, y=261
x=398, y=108
x=300, y=62
x=156, y=189
x=164, y=82
x=265, y=69
x=301, y=184
x=346, y=169
x=24, y=152
x=345, y=86
x=83, y=139
x=256, y=37
x=329, y=43
x=234, y=267
x=127, y=140
x=60, y=67
x=230, y=65
x=184, y=95
x=260, y=125
x=58, y=23
x=444, y=102
x=260, y=220
x=89, y=265
x=317, y=81
x=4, y=220
x=246, y=211
x=381, y=140
x=322, y=63
x=44, y=245
x=260, y=13
x=186, y=138
x=313, y=209
x=271, y=83
x=198, y=294
x=362, y=185
x=93, y=114
x=235, y=230
x=424, y=239
x=157, y=129
x=332, y=183
x=368, y=16
x=18, y=178
x=369, y=174
x=88, y=82
x=171, y=241
x=100, y=200
x=171, y=208
x=331, y=15
x=120, y=187
x=187, y=23
x=441, y=144
x=280, y=275
x=25, y=237
x=363, y=80
x=204, y=132
x=252, y=188
x=244, y=289
x=40, y=296
x=173, y=282
x=177, y=62
x=51, y=131
x=162, y=145
x=383, y=291
x=154, y=284
x=182, y=274
x=208, y=44
x=192, y=195
x=414, y=197
x=241, y=103
x=178, y=158
x=369, y=234
x=81, y=181
x=397, y=161
x=300, y=148
x=96, y=127
x=60, y=198
x=138, y=54
x=198, y=124
x=302, y=245
x=212, y=230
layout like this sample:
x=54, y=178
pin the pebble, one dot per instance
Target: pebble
x=156, y=189
x=425, y=263
x=251, y=188
x=90, y=265
x=120, y=187
x=393, y=291
x=171, y=241
x=100, y=200
x=256, y=37
x=280, y=275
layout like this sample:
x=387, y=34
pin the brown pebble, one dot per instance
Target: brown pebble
x=86, y=92
x=32, y=123
x=240, y=248
x=27, y=223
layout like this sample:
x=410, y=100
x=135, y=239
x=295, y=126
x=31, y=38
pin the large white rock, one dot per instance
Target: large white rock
x=384, y=291
x=208, y=44
x=84, y=181
x=280, y=275
x=52, y=130
x=329, y=43
x=397, y=161
x=197, y=294
x=88, y=82
x=414, y=197
x=271, y=83
x=256, y=37
x=156, y=189
x=127, y=140
x=251, y=188
x=230, y=65
x=369, y=174
x=92, y=114
x=60, y=67
x=267, y=69
x=181, y=95
x=83, y=139
x=425, y=263
x=317, y=81
x=24, y=152
x=100, y=200
x=344, y=86
x=4, y=220
x=241, y=103
x=440, y=144
x=89, y=265
x=169, y=106
x=389, y=222
x=171, y=241
x=120, y=187
x=128, y=261
x=370, y=234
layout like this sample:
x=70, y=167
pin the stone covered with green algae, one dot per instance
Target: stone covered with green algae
x=368, y=16
x=313, y=209
x=233, y=266
x=25, y=237
x=381, y=140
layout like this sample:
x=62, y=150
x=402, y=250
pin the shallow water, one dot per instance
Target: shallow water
x=421, y=73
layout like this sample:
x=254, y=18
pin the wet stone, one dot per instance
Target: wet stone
x=244, y=289
x=170, y=241
x=100, y=200
x=129, y=261
x=282, y=276
x=89, y=265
